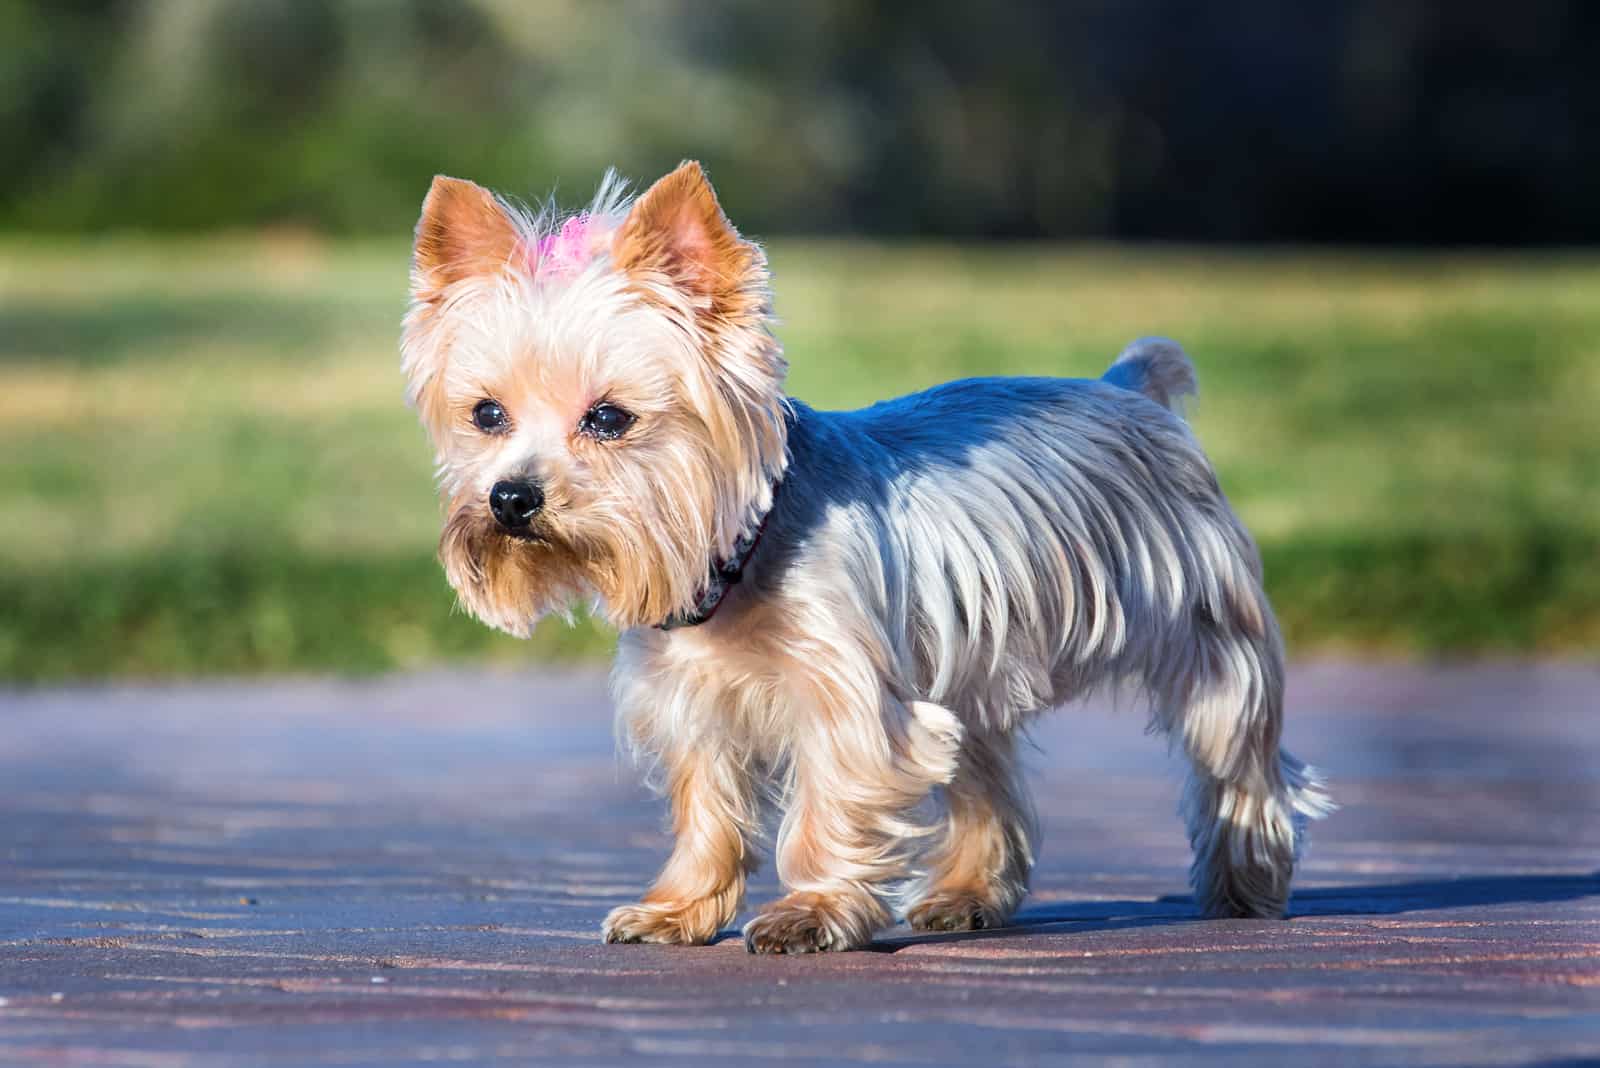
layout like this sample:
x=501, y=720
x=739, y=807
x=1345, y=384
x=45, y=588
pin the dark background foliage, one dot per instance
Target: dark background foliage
x=1243, y=120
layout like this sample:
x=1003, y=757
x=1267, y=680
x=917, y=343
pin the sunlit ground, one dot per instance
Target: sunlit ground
x=206, y=464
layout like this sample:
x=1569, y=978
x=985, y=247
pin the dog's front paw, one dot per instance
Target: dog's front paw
x=691, y=924
x=954, y=911
x=812, y=923
x=788, y=930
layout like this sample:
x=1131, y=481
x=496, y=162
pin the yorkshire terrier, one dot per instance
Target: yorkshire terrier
x=847, y=618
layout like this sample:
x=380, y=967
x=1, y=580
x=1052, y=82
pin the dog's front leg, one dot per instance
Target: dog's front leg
x=858, y=775
x=701, y=888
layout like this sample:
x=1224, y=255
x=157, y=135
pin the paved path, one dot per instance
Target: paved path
x=413, y=871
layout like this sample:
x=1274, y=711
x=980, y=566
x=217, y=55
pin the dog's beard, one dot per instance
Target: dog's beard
x=509, y=581
x=644, y=568
x=637, y=570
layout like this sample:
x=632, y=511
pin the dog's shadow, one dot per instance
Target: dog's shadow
x=1365, y=900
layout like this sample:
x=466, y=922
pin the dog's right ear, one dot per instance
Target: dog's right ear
x=464, y=232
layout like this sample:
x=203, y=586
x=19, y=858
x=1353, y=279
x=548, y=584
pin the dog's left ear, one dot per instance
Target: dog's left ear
x=676, y=230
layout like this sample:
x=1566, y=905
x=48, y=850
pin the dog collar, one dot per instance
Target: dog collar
x=724, y=575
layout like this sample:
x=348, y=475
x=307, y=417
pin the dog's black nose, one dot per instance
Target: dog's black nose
x=514, y=504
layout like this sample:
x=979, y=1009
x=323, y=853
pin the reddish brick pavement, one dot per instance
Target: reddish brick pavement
x=413, y=871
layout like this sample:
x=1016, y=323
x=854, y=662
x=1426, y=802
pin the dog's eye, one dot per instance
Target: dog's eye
x=490, y=417
x=606, y=421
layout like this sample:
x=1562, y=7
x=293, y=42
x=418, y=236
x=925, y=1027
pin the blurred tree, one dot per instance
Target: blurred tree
x=1363, y=120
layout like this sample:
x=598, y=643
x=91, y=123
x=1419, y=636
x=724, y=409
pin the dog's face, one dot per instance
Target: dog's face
x=604, y=396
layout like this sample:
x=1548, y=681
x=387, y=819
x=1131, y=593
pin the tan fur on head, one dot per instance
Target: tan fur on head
x=665, y=316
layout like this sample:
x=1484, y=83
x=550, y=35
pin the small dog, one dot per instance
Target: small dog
x=845, y=616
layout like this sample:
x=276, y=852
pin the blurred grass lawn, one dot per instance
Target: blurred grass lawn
x=206, y=465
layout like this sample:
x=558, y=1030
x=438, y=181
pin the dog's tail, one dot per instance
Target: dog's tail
x=1158, y=368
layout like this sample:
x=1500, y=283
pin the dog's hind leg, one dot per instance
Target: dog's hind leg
x=977, y=871
x=1219, y=689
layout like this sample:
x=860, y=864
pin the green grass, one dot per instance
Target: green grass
x=206, y=465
